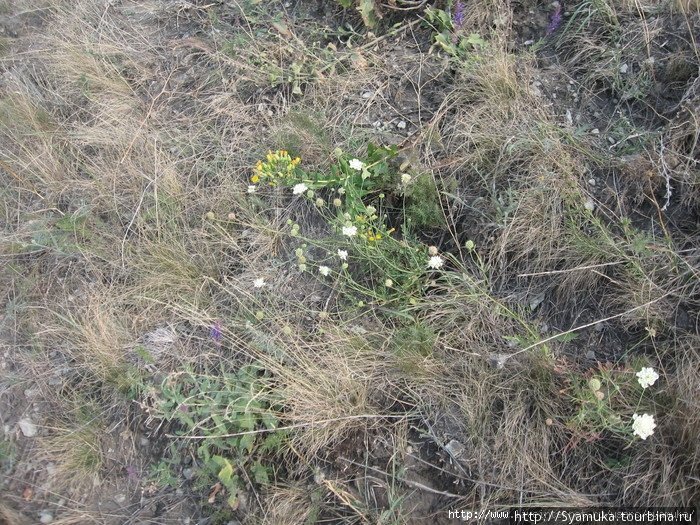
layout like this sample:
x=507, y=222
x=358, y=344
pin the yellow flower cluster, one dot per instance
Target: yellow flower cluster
x=279, y=165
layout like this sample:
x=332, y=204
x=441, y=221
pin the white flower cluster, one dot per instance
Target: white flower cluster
x=643, y=425
x=647, y=377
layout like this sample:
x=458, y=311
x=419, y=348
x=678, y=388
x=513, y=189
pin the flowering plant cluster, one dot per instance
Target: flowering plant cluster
x=607, y=395
x=350, y=196
x=277, y=168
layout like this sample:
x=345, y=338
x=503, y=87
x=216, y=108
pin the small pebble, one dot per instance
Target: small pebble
x=589, y=205
x=595, y=131
x=455, y=448
x=120, y=498
x=401, y=125
x=591, y=182
x=45, y=517
x=28, y=428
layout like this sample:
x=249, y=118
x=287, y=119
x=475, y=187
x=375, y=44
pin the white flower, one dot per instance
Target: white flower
x=343, y=254
x=324, y=270
x=435, y=262
x=341, y=191
x=337, y=203
x=643, y=425
x=259, y=283
x=252, y=188
x=647, y=377
x=350, y=231
x=356, y=164
x=299, y=188
x=371, y=210
x=405, y=179
x=388, y=283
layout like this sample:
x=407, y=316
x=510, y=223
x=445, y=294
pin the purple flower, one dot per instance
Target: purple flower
x=215, y=332
x=132, y=473
x=555, y=19
x=458, y=16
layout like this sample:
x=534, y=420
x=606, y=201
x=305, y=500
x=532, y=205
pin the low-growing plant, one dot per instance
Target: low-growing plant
x=368, y=9
x=450, y=35
x=610, y=399
x=231, y=418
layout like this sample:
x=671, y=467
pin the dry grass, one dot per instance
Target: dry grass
x=129, y=239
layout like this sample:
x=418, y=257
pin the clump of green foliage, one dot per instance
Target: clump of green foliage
x=231, y=417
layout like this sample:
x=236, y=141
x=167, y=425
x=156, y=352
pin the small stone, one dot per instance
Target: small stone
x=611, y=140
x=188, y=473
x=624, y=68
x=28, y=428
x=598, y=327
x=595, y=131
x=401, y=124
x=528, y=42
x=590, y=354
x=589, y=205
x=45, y=517
x=455, y=449
x=591, y=182
x=144, y=441
x=366, y=94
x=120, y=498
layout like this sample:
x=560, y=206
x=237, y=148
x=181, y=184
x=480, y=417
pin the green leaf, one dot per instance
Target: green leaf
x=248, y=442
x=475, y=40
x=565, y=338
x=226, y=473
x=246, y=421
x=368, y=11
x=269, y=420
x=260, y=473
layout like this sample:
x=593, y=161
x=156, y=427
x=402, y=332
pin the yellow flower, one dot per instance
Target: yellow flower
x=255, y=179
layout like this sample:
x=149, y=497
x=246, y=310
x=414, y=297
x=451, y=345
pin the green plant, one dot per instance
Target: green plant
x=161, y=473
x=605, y=400
x=451, y=38
x=368, y=9
x=423, y=208
x=231, y=414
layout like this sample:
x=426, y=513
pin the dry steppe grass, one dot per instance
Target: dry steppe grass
x=133, y=336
